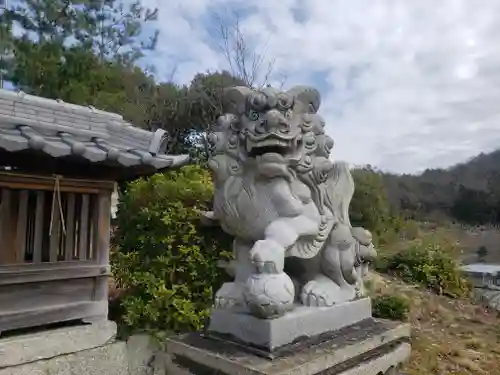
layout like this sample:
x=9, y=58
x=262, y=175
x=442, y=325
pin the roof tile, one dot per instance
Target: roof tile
x=60, y=129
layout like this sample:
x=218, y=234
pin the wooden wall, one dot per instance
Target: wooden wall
x=54, y=249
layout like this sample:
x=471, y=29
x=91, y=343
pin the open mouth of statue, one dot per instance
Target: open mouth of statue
x=274, y=146
x=259, y=151
x=270, y=150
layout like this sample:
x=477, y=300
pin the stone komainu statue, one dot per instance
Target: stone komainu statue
x=285, y=203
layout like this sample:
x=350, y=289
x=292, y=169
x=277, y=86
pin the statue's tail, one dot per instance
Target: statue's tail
x=366, y=253
x=338, y=198
x=341, y=191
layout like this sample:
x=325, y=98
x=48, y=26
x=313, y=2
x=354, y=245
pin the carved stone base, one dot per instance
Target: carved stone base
x=270, y=336
x=372, y=347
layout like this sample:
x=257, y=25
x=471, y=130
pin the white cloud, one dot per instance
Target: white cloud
x=406, y=84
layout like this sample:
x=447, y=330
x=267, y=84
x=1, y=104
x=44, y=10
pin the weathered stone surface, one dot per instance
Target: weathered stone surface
x=386, y=363
x=48, y=344
x=54, y=352
x=110, y=359
x=141, y=351
x=368, y=348
x=270, y=334
x=145, y=357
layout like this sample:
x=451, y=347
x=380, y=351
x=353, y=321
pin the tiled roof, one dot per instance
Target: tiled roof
x=60, y=129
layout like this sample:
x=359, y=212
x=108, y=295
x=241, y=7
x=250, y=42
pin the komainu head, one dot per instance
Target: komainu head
x=270, y=126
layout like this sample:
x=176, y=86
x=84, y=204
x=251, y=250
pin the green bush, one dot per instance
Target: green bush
x=165, y=260
x=390, y=307
x=430, y=265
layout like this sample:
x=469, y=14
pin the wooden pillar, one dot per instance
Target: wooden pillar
x=84, y=228
x=22, y=221
x=7, y=229
x=39, y=227
x=104, y=227
x=102, y=234
x=69, y=246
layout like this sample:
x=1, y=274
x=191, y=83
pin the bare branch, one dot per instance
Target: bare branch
x=173, y=72
x=282, y=80
x=243, y=63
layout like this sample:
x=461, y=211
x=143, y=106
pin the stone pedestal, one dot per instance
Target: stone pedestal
x=369, y=347
x=84, y=350
x=87, y=349
x=271, y=336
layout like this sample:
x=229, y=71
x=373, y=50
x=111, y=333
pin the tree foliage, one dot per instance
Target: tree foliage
x=370, y=206
x=482, y=252
x=468, y=192
x=112, y=29
x=76, y=51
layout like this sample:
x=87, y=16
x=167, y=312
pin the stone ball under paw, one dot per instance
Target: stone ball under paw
x=269, y=295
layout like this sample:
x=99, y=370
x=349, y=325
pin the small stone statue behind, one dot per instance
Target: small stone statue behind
x=285, y=203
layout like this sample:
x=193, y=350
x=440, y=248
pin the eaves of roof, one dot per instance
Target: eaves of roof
x=60, y=129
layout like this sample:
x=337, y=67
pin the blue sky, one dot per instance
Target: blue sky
x=406, y=85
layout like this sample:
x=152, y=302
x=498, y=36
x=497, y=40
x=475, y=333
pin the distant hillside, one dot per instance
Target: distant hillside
x=467, y=192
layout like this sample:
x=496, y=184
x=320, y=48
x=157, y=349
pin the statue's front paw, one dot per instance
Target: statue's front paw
x=229, y=295
x=268, y=256
x=323, y=292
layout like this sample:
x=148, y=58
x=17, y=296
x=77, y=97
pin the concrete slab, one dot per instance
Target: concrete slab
x=31, y=347
x=106, y=360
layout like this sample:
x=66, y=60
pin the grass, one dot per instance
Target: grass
x=449, y=336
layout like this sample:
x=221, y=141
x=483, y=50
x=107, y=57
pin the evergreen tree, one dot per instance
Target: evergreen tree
x=85, y=43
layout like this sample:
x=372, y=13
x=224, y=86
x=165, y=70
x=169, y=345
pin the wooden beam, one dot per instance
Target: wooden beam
x=33, y=317
x=43, y=164
x=40, y=163
x=36, y=182
x=30, y=267
x=37, y=275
